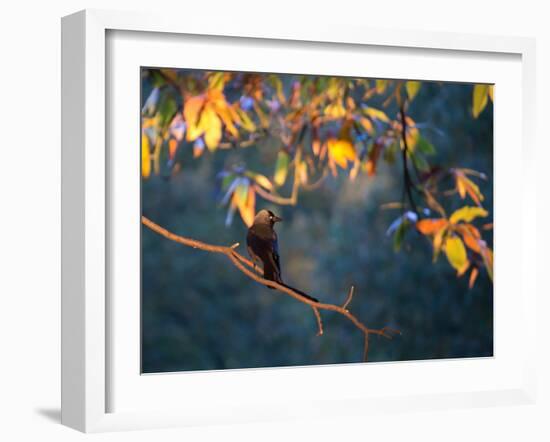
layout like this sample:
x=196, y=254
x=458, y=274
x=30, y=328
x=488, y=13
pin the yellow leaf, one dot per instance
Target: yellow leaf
x=246, y=123
x=248, y=208
x=341, y=151
x=479, y=98
x=281, y=168
x=412, y=88
x=381, y=86
x=222, y=109
x=145, y=156
x=430, y=226
x=487, y=255
x=456, y=253
x=465, y=186
x=492, y=92
x=211, y=125
x=467, y=214
x=367, y=125
x=376, y=114
x=191, y=113
x=335, y=110
x=263, y=181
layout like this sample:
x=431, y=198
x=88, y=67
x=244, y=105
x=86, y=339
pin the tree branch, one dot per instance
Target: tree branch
x=245, y=266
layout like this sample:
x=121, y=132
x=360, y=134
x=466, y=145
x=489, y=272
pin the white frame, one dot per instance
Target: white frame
x=84, y=349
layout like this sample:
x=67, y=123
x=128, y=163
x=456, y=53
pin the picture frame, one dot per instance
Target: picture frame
x=88, y=317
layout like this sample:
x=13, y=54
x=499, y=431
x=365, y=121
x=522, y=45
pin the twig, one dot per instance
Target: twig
x=348, y=299
x=406, y=176
x=245, y=266
x=319, y=322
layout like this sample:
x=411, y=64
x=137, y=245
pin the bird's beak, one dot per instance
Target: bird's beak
x=276, y=219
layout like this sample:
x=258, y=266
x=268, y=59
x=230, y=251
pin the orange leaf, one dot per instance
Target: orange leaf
x=145, y=156
x=172, y=147
x=431, y=226
x=248, y=209
x=473, y=277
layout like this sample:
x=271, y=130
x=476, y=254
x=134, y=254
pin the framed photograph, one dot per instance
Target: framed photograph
x=265, y=223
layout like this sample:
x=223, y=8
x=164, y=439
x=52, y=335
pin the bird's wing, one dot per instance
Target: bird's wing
x=275, y=253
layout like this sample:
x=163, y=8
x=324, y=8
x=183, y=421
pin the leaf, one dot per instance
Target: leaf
x=145, y=156
x=456, y=253
x=260, y=180
x=473, y=277
x=487, y=255
x=431, y=226
x=424, y=146
x=245, y=121
x=479, y=99
x=381, y=86
x=172, y=147
x=167, y=109
x=438, y=242
x=281, y=168
x=211, y=125
x=191, y=113
x=248, y=208
x=466, y=186
x=412, y=88
x=376, y=114
x=341, y=151
x=399, y=236
x=492, y=92
x=419, y=161
x=335, y=110
x=367, y=125
x=467, y=214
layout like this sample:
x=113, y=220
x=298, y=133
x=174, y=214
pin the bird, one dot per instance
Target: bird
x=263, y=247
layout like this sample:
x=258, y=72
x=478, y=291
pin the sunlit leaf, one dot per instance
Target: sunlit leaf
x=248, y=208
x=245, y=121
x=480, y=95
x=341, y=151
x=335, y=110
x=431, y=226
x=471, y=236
x=456, y=253
x=216, y=81
x=466, y=186
x=260, y=180
x=281, y=168
x=191, y=113
x=467, y=214
x=211, y=125
x=412, y=88
x=145, y=156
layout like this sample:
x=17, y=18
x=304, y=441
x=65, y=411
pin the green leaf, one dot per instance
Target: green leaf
x=419, y=161
x=281, y=168
x=424, y=146
x=412, y=88
x=167, y=109
x=399, y=235
x=480, y=94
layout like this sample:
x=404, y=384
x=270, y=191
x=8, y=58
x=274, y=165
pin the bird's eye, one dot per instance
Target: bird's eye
x=271, y=217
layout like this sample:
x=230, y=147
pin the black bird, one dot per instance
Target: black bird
x=263, y=248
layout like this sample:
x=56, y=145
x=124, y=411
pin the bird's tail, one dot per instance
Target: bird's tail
x=305, y=295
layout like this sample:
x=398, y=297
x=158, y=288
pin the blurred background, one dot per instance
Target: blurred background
x=200, y=313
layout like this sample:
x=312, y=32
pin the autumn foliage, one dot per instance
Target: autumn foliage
x=325, y=127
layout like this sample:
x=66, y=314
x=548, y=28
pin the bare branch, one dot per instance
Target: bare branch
x=348, y=299
x=319, y=321
x=245, y=266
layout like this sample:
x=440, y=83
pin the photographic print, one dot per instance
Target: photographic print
x=301, y=220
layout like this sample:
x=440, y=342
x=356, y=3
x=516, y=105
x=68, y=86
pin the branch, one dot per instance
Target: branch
x=245, y=266
x=407, y=177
